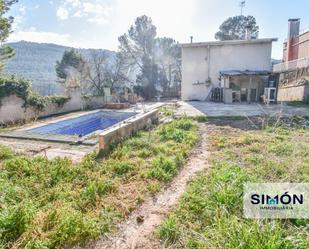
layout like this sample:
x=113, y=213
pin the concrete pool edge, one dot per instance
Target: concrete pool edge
x=125, y=129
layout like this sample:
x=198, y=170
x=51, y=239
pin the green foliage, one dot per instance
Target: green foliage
x=58, y=100
x=14, y=220
x=55, y=204
x=157, y=60
x=22, y=89
x=201, y=118
x=210, y=214
x=71, y=59
x=36, y=62
x=12, y=85
x=178, y=131
x=234, y=28
x=163, y=169
x=37, y=101
x=169, y=230
x=6, y=52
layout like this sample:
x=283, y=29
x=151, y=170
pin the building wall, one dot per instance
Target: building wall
x=294, y=85
x=12, y=110
x=195, y=65
x=296, y=48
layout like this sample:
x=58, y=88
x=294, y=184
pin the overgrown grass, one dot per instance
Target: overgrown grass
x=54, y=204
x=210, y=212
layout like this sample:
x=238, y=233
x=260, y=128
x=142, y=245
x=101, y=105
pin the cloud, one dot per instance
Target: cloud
x=62, y=13
x=20, y=17
x=42, y=37
x=93, y=11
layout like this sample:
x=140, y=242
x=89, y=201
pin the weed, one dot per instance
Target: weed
x=209, y=214
x=54, y=204
x=201, y=118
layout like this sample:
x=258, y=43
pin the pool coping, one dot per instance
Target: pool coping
x=89, y=139
x=25, y=133
x=125, y=129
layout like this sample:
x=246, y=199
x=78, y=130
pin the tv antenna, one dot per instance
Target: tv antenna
x=242, y=4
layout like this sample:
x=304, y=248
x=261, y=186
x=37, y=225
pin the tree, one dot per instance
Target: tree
x=6, y=52
x=137, y=50
x=103, y=71
x=235, y=28
x=70, y=69
x=156, y=62
x=168, y=58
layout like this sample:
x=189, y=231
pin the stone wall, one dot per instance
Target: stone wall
x=12, y=110
x=294, y=85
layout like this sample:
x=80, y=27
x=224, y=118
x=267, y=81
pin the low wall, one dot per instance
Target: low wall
x=294, y=93
x=117, y=133
x=293, y=85
x=12, y=110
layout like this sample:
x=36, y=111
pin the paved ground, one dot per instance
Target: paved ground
x=193, y=108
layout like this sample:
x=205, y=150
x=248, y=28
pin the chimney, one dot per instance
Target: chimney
x=293, y=31
x=191, y=39
x=293, y=28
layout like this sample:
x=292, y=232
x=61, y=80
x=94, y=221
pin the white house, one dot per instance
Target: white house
x=230, y=71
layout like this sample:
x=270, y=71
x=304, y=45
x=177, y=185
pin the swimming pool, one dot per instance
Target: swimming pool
x=84, y=125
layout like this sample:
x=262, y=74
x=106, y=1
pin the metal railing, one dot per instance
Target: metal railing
x=290, y=65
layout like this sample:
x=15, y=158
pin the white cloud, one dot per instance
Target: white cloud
x=94, y=11
x=20, y=17
x=41, y=37
x=62, y=13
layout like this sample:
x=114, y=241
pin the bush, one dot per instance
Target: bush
x=169, y=230
x=22, y=89
x=201, y=118
x=162, y=169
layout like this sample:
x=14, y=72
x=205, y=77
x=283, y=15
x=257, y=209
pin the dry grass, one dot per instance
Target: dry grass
x=210, y=212
x=55, y=204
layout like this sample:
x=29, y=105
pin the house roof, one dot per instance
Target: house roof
x=244, y=72
x=229, y=42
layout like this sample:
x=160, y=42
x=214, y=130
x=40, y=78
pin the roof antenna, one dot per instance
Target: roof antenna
x=242, y=4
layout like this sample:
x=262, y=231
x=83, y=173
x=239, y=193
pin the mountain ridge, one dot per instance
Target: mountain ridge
x=36, y=62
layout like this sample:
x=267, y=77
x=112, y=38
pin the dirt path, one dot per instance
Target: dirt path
x=136, y=230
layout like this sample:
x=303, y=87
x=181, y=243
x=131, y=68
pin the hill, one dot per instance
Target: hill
x=36, y=62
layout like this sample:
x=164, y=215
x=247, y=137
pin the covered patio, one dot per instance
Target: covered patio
x=243, y=85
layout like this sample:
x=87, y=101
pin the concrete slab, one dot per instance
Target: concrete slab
x=194, y=108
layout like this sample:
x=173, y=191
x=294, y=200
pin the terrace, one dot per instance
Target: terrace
x=291, y=65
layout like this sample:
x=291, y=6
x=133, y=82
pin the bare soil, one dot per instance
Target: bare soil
x=137, y=230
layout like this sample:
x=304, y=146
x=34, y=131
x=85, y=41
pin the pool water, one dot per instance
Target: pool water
x=85, y=124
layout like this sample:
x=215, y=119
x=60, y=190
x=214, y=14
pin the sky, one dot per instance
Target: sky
x=99, y=23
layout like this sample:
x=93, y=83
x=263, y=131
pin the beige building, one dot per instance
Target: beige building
x=293, y=72
x=228, y=71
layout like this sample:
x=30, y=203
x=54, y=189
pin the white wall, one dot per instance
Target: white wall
x=248, y=56
x=11, y=109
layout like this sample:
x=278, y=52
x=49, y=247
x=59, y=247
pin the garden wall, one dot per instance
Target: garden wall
x=12, y=110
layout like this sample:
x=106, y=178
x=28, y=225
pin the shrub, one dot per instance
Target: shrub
x=201, y=118
x=5, y=153
x=169, y=230
x=58, y=100
x=162, y=168
x=97, y=187
x=14, y=220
